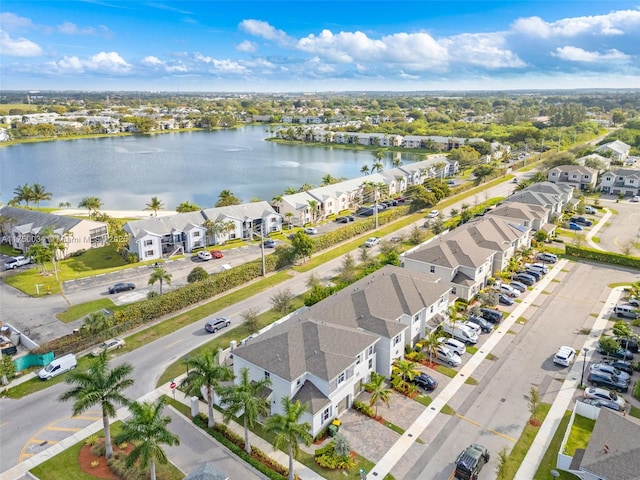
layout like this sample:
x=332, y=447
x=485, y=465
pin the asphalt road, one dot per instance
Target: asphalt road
x=496, y=411
x=623, y=227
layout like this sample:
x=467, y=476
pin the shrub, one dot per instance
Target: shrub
x=197, y=274
x=363, y=408
x=328, y=457
x=91, y=440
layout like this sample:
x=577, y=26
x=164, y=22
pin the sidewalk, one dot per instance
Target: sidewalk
x=596, y=228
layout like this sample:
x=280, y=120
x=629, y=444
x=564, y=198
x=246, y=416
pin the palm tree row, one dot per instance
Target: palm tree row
x=26, y=193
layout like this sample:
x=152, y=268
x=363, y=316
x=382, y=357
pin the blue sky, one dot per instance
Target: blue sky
x=295, y=46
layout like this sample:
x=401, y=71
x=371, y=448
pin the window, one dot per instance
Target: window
x=341, y=378
x=325, y=414
x=370, y=350
x=148, y=243
x=396, y=340
x=267, y=374
x=149, y=253
x=298, y=382
x=358, y=360
x=196, y=234
x=431, y=309
x=574, y=176
x=453, y=290
x=370, y=363
x=416, y=318
x=432, y=269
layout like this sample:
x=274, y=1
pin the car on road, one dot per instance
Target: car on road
x=565, y=356
x=621, y=353
x=426, y=382
x=611, y=370
x=547, y=257
x=447, y=356
x=269, y=243
x=351, y=218
x=575, y=226
x=433, y=214
x=109, y=345
x=581, y=221
x=600, y=379
x=342, y=220
x=470, y=462
x=121, y=287
x=216, y=254
x=590, y=210
x=205, y=256
x=598, y=402
x=215, y=324
x=505, y=299
x=484, y=325
x=311, y=231
x=604, y=394
x=371, y=242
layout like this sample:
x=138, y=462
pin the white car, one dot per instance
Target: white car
x=565, y=356
x=590, y=210
x=371, y=242
x=310, y=231
x=204, y=256
x=508, y=290
x=636, y=198
x=447, y=356
x=604, y=394
x=454, y=345
x=433, y=214
x=473, y=326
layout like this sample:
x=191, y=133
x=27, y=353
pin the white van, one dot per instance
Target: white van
x=626, y=311
x=565, y=356
x=58, y=366
x=461, y=332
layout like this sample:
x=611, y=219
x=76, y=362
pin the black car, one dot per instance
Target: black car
x=525, y=278
x=621, y=353
x=425, y=381
x=505, y=299
x=269, y=243
x=351, y=218
x=342, y=220
x=470, y=462
x=612, y=382
x=533, y=273
x=622, y=365
x=121, y=287
x=630, y=343
x=581, y=221
x=482, y=323
x=491, y=315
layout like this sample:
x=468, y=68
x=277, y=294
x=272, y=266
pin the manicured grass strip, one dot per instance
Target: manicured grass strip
x=449, y=372
x=579, y=435
x=550, y=458
x=491, y=356
x=523, y=444
x=424, y=400
x=634, y=412
x=394, y=427
x=471, y=350
x=447, y=410
x=471, y=381
x=78, y=311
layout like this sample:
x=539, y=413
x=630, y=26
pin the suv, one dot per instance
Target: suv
x=611, y=370
x=565, y=356
x=525, y=278
x=491, y=315
x=372, y=242
x=216, y=324
x=470, y=462
x=427, y=382
x=602, y=379
x=481, y=322
x=581, y=221
x=547, y=257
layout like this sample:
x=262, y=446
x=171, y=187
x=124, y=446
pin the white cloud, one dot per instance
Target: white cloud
x=482, y=49
x=18, y=47
x=155, y=62
x=11, y=22
x=103, y=62
x=577, y=54
x=612, y=24
x=224, y=66
x=264, y=30
x=69, y=28
x=247, y=46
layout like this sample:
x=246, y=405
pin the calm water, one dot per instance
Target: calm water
x=125, y=172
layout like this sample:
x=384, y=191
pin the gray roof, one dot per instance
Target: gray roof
x=535, y=198
x=206, y=471
x=313, y=397
x=492, y=232
x=252, y=210
x=452, y=252
x=617, y=146
x=32, y=221
x=550, y=187
x=622, y=436
x=520, y=211
x=164, y=225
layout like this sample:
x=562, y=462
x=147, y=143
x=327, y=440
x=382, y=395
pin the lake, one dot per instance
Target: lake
x=125, y=172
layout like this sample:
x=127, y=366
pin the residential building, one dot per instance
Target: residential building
x=579, y=177
x=617, y=149
x=323, y=355
x=23, y=228
x=623, y=181
x=604, y=161
x=553, y=197
x=531, y=216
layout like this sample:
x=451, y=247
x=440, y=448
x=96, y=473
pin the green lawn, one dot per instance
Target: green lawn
x=579, y=435
x=550, y=458
x=78, y=311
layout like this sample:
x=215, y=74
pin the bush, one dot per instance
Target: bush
x=327, y=457
x=604, y=257
x=197, y=274
x=364, y=408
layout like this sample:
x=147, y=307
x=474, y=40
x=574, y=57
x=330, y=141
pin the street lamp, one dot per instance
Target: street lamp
x=584, y=364
x=186, y=360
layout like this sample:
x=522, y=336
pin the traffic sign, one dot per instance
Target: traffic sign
x=172, y=385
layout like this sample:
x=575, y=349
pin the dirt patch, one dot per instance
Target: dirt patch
x=102, y=469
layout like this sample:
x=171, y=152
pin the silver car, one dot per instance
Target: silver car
x=610, y=369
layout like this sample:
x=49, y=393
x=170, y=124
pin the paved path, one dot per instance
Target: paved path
x=596, y=228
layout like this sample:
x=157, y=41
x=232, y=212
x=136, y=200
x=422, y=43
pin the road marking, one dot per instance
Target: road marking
x=468, y=420
x=87, y=417
x=513, y=440
x=27, y=455
x=64, y=429
x=171, y=345
x=3, y=424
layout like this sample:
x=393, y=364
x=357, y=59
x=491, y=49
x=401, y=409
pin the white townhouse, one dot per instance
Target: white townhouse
x=577, y=176
x=248, y=219
x=554, y=197
x=594, y=156
x=625, y=181
x=323, y=355
x=617, y=149
x=297, y=209
x=534, y=217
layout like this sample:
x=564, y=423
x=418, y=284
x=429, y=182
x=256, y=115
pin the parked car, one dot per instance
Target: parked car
x=351, y=218
x=215, y=324
x=508, y=290
x=628, y=311
x=547, y=257
x=456, y=346
x=604, y=394
x=565, y=356
x=311, y=231
x=109, y=345
x=630, y=343
x=598, y=379
x=635, y=199
x=218, y=253
x=433, y=214
x=524, y=278
x=269, y=243
x=634, y=302
x=447, y=356
x=458, y=331
x=16, y=262
x=538, y=267
x=590, y=210
x=611, y=370
x=121, y=287
x=371, y=242
x=473, y=326
x=204, y=256
x=622, y=365
x=621, y=353
x=481, y=322
x=581, y=221
x=598, y=402
x=58, y=366
x=505, y=299
x=537, y=274
x=426, y=382
x=491, y=315
x=574, y=226
x=521, y=287
x=470, y=462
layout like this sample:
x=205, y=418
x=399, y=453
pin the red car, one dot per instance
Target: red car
x=216, y=254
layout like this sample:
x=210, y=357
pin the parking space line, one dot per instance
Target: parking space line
x=473, y=422
x=64, y=429
x=87, y=417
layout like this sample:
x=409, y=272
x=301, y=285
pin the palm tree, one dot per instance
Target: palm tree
x=187, y=206
x=377, y=167
x=246, y=397
x=452, y=315
x=24, y=194
x=313, y=205
x=99, y=385
x=215, y=229
x=289, y=216
x=430, y=344
x=288, y=430
x=161, y=275
x=147, y=430
x=226, y=198
x=92, y=204
x=405, y=369
x=328, y=179
x=206, y=372
x=154, y=205
x=96, y=322
x=365, y=169
x=378, y=390
x=39, y=193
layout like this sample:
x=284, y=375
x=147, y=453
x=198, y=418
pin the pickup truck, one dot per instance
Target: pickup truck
x=16, y=262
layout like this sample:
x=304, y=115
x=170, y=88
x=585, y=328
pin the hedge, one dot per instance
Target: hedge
x=603, y=257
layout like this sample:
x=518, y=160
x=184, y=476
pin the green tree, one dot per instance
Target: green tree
x=23, y=193
x=378, y=390
x=187, y=206
x=246, y=397
x=99, y=385
x=364, y=169
x=96, y=322
x=197, y=275
x=206, y=372
x=302, y=245
x=282, y=301
x=288, y=430
x=347, y=270
x=7, y=369
x=160, y=275
x=226, y=198
x=93, y=204
x=251, y=319
x=147, y=430
x=39, y=193
x=534, y=401
x=430, y=344
x=154, y=205
x=405, y=370
x=609, y=345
